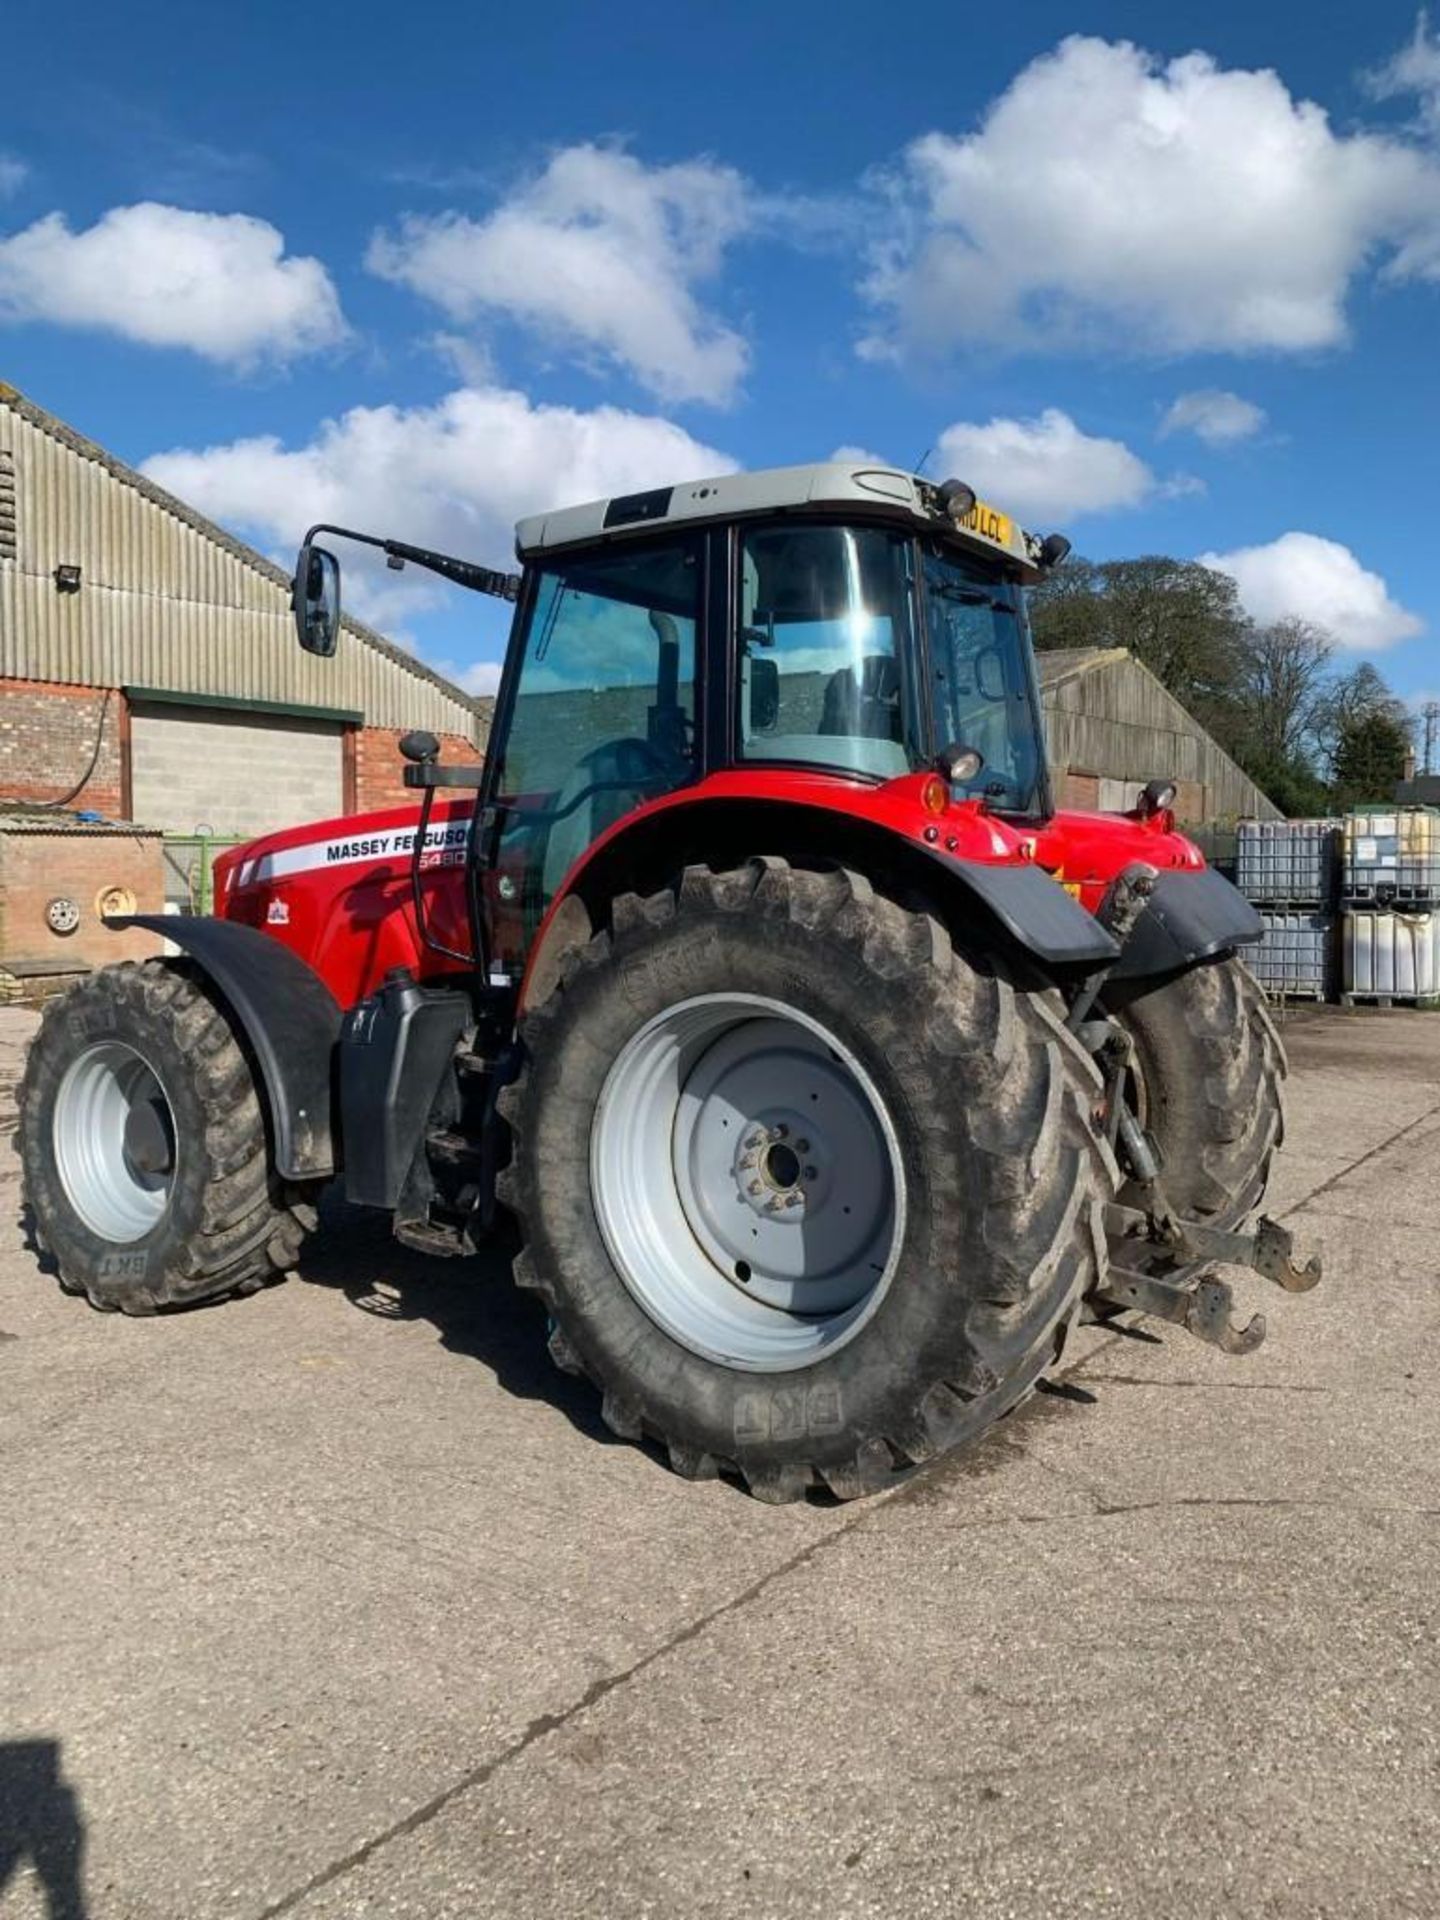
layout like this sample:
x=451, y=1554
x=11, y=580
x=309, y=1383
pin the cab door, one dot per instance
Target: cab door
x=602, y=716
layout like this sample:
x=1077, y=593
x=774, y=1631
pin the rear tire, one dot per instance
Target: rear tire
x=1211, y=1067
x=778, y=987
x=146, y=1165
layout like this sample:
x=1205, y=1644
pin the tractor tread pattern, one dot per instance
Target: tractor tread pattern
x=1048, y=1169
x=1222, y=1088
x=251, y=1224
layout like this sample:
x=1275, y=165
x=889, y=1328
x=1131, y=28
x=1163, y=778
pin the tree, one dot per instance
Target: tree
x=1184, y=621
x=1283, y=675
x=1344, y=704
x=1310, y=738
x=1370, y=758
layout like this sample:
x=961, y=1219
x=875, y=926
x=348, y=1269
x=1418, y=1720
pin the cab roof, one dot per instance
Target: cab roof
x=839, y=485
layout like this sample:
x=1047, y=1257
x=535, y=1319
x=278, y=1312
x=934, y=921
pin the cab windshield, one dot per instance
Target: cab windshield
x=981, y=688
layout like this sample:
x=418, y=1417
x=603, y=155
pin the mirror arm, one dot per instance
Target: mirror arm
x=465, y=573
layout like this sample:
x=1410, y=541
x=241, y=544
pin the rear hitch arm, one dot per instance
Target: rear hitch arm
x=1191, y=1295
x=1203, y=1307
x=1268, y=1251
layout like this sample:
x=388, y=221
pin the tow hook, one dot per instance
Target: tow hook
x=1191, y=1296
x=1268, y=1251
x=1202, y=1306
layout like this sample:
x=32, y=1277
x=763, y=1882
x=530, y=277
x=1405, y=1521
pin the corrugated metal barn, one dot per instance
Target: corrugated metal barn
x=135, y=633
x=1111, y=726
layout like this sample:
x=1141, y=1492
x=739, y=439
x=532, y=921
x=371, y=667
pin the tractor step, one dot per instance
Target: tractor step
x=435, y=1237
x=451, y=1148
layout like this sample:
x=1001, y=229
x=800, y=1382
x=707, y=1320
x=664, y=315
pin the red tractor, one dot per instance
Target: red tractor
x=830, y=1072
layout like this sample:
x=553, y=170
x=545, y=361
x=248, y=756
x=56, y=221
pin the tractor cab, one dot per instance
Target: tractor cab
x=840, y=620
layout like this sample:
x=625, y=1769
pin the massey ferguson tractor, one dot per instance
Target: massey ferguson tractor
x=830, y=1073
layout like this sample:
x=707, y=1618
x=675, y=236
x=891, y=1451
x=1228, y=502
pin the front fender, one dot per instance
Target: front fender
x=288, y=1015
x=883, y=831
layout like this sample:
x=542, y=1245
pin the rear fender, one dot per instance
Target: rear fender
x=1009, y=906
x=290, y=1019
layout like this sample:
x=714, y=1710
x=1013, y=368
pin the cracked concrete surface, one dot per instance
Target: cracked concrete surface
x=334, y=1602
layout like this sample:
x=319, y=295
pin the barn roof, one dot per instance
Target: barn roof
x=1106, y=712
x=1067, y=663
x=58, y=430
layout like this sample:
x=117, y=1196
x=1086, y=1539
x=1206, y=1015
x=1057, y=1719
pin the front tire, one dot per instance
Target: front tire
x=808, y=1195
x=146, y=1165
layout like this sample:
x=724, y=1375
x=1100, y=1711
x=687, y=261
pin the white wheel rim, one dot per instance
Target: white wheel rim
x=114, y=1139
x=747, y=1181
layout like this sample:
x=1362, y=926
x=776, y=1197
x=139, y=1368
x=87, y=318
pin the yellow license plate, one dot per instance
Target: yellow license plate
x=989, y=523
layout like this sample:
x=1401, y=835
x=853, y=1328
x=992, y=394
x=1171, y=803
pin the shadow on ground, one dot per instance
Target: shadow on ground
x=40, y=1826
x=472, y=1304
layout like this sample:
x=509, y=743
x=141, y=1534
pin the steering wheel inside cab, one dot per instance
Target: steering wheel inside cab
x=602, y=787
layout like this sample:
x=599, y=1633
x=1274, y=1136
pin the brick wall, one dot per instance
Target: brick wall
x=378, y=766
x=38, y=866
x=47, y=734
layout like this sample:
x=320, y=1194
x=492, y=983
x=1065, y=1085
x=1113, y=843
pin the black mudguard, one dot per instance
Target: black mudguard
x=291, y=1020
x=1191, y=917
x=1038, y=913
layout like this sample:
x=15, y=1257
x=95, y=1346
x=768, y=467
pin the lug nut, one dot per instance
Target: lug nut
x=810, y=1173
x=755, y=1142
x=779, y=1130
x=794, y=1200
x=802, y=1146
x=754, y=1187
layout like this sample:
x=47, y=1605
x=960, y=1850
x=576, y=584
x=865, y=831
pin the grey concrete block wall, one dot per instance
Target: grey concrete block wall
x=236, y=773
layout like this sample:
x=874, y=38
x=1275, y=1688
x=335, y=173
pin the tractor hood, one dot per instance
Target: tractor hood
x=338, y=894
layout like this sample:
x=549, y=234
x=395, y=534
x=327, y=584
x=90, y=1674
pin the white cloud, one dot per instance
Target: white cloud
x=1414, y=72
x=1305, y=577
x=600, y=254
x=849, y=456
x=454, y=476
x=220, y=284
x=482, y=677
x=1043, y=469
x=1109, y=200
x=13, y=175
x=1218, y=418
x=479, y=676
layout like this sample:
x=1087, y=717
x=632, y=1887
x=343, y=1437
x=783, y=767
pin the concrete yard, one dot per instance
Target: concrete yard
x=337, y=1601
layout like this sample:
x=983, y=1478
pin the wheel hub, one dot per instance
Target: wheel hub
x=747, y=1181
x=148, y=1146
x=114, y=1139
x=768, y=1170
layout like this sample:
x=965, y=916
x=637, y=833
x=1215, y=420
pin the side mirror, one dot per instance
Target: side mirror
x=315, y=600
x=764, y=695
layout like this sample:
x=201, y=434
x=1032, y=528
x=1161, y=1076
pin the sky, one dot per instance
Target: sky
x=1165, y=279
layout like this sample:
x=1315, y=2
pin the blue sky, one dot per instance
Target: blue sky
x=1169, y=279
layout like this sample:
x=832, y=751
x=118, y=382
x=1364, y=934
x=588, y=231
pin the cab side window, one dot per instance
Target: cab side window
x=604, y=714
x=824, y=615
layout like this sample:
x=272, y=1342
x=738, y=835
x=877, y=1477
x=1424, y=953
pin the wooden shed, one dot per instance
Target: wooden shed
x=1110, y=726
